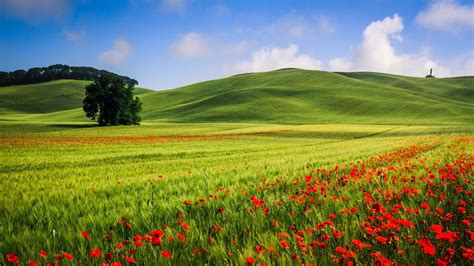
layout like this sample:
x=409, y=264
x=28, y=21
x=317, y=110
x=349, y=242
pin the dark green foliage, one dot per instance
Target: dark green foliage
x=55, y=72
x=111, y=102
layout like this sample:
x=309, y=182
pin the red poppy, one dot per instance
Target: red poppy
x=425, y=206
x=68, y=256
x=95, y=253
x=427, y=247
x=32, y=263
x=250, y=261
x=85, y=234
x=167, y=254
x=157, y=233
x=340, y=250
x=156, y=241
x=284, y=244
x=336, y=234
x=12, y=258
x=381, y=239
x=436, y=228
x=130, y=259
x=43, y=254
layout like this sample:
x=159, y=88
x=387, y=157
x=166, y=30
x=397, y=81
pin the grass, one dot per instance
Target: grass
x=288, y=96
x=47, y=97
x=243, y=161
x=72, y=177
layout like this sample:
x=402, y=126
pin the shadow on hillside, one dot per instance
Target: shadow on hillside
x=74, y=125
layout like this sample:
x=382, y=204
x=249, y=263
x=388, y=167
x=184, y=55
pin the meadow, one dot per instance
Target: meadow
x=235, y=193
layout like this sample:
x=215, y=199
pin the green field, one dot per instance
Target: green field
x=307, y=139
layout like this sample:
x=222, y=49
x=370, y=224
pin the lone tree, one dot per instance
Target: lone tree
x=111, y=102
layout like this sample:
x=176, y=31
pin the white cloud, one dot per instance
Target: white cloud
x=35, y=10
x=191, y=44
x=74, y=36
x=376, y=53
x=116, y=56
x=178, y=6
x=447, y=15
x=267, y=59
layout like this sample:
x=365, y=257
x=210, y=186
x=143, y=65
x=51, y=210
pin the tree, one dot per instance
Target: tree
x=111, y=102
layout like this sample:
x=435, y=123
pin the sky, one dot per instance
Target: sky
x=165, y=44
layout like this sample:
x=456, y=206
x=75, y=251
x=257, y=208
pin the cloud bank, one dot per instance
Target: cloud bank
x=377, y=53
x=447, y=15
x=272, y=58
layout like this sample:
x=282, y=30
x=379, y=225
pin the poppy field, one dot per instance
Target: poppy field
x=236, y=194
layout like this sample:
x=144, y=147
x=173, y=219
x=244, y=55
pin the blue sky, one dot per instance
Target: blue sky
x=170, y=43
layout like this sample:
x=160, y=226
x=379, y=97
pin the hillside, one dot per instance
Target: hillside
x=44, y=97
x=303, y=96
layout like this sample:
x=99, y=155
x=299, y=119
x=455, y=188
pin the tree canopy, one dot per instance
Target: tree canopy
x=111, y=102
x=55, y=72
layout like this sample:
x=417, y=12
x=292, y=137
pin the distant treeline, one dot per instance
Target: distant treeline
x=55, y=72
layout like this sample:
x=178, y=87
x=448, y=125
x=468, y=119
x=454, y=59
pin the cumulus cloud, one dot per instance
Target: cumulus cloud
x=447, y=15
x=74, y=36
x=272, y=58
x=178, y=6
x=117, y=55
x=35, y=10
x=377, y=53
x=191, y=44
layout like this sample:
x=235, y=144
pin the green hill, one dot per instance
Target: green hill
x=303, y=96
x=44, y=97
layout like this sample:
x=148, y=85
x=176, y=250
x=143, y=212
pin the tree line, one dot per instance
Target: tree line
x=55, y=72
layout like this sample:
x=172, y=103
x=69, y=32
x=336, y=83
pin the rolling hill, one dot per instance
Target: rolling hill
x=281, y=96
x=47, y=97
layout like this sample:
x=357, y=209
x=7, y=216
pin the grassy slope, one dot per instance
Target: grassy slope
x=293, y=96
x=44, y=97
x=300, y=96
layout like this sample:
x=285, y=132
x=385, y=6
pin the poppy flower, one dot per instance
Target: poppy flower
x=427, y=247
x=249, y=261
x=340, y=250
x=284, y=244
x=157, y=233
x=32, y=263
x=436, y=228
x=425, y=206
x=381, y=239
x=95, y=253
x=12, y=258
x=336, y=234
x=85, y=235
x=167, y=254
x=43, y=254
x=130, y=259
x=68, y=256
